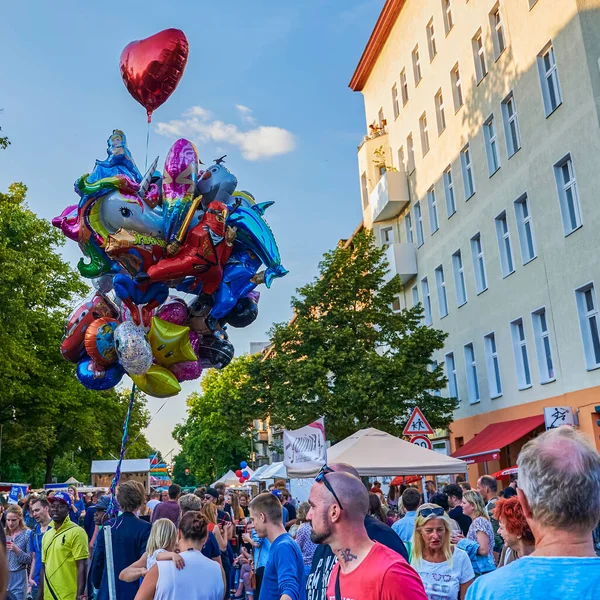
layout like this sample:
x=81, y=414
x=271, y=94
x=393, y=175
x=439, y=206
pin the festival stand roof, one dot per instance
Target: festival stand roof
x=230, y=479
x=129, y=465
x=275, y=470
x=258, y=473
x=376, y=453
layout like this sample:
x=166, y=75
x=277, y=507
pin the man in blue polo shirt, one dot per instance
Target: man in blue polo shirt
x=40, y=508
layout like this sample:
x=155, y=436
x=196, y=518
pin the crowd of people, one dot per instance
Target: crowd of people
x=347, y=542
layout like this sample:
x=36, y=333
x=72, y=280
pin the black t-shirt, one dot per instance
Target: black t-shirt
x=246, y=510
x=211, y=547
x=291, y=511
x=223, y=516
x=324, y=559
x=463, y=521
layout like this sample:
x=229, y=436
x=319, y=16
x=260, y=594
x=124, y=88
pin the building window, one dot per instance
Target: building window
x=447, y=12
x=549, y=80
x=456, y=87
x=467, y=171
x=387, y=236
x=363, y=190
x=410, y=148
x=408, y=226
x=449, y=191
x=493, y=365
x=403, y=87
x=511, y=125
x=503, y=233
x=587, y=306
x=459, y=279
x=416, y=65
x=451, y=375
x=543, y=346
x=415, y=295
x=478, y=263
x=424, y=133
x=440, y=282
x=431, y=40
x=471, y=371
x=397, y=304
x=419, y=224
x=439, y=112
x=401, y=165
x=426, y=300
x=521, y=356
x=479, y=56
x=433, y=366
x=395, y=105
x=525, y=229
x=497, y=31
x=491, y=145
x=433, y=214
x=568, y=195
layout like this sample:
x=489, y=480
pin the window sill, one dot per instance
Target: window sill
x=554, y=110
x=432, y=58
x=435, y=231
x=496, y=397
x=467, y=198
x=449, y=30
x=514, y=152
x=396, y=117
x=499, y=55
x=404, y=103
x=418, y=82
x=548, y=381
x=490, y=175
x=421, y=244
x=458, y=109
x=481, y=292
x=426, y=152
x=573, y=230
x=532, y=5
x=451, y=214
x=461, y=305
x=482, y=79
x=444, y=316
x=508, y=274
x=593, y=368
x=522, y=389
x=411, y=171
x=529, y=260
x=477, y=401
x=440, y=132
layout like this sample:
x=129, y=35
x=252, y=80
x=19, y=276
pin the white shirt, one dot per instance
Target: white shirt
x=152, y=504
x=441, y=580
x=200, y=579
x=151, y=559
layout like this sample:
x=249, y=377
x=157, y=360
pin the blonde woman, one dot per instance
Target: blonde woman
x=480, y=532
x=18, y=550
x=209, y=511
x=162, y=544
x=446, y=571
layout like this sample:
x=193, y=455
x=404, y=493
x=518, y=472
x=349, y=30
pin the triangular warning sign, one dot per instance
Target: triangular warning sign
x=417, y=424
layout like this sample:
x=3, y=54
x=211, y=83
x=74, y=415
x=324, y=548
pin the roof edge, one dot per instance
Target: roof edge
x=381, y=31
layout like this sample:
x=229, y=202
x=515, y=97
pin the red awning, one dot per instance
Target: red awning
x=487, y=444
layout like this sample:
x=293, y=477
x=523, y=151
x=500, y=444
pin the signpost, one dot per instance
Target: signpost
x=423, y=441
x=417, y=424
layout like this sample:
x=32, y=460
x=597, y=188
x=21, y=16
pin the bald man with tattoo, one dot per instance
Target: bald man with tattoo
x=366, y=570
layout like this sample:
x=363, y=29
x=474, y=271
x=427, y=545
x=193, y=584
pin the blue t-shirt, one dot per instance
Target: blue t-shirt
x=541, y=578
x=76, y=510
x=261, y=554
x=284, y=573
x=211, y=547
x=37, y=548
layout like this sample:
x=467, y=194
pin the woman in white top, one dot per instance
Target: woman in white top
x=200, y=579
x=446, y=571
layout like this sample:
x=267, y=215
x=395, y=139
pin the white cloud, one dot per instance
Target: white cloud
x=254, y=144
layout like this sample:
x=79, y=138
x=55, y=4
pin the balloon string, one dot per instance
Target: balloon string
x=147, y=142
x=112, y=509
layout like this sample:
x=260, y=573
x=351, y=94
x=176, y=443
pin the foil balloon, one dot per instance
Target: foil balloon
x=133, y=349
x=243, y=314
x=215, y=353
x=97, y=377
x=174, y=311
x=152, y=68
x=170, y=343
x=158, y=382
x=72, y=347
x=100, y=341
x=221, y=184
x=103, y=284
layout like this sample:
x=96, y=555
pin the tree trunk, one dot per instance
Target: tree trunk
x=49, y=464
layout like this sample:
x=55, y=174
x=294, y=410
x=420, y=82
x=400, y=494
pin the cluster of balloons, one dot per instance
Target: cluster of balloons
x=242, y=473
x=187, y=229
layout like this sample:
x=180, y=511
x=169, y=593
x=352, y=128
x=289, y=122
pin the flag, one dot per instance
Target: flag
x=304, y=449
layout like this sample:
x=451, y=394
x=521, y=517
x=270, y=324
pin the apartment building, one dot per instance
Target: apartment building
x=480, y=173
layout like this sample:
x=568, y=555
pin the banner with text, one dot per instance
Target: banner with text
x=304, y=449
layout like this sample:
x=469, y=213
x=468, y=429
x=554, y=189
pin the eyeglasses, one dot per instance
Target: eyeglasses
x=427, y=512
x=208, y=497
x=321, y=478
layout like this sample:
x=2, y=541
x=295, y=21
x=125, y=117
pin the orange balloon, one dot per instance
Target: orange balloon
x=100, y=341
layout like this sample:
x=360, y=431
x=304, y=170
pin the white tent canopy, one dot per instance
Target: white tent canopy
x=376, y=453
x=275, y=470
x=230, y=479
x=259, y=472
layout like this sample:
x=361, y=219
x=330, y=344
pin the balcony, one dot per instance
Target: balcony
x=262, y=436
x=402, y=258
x=389, y=196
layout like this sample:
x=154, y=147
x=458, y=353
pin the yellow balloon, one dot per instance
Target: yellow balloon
x=158, y=382
x=170, y=343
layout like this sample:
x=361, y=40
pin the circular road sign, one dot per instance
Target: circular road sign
x=422, y=440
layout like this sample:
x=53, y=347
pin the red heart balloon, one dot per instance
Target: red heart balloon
x=152, y=68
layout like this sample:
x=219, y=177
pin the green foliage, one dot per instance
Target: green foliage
x=215, y=436
x=347, y=356
x=46, y=414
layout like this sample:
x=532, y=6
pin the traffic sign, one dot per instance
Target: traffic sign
x=417, y=424
x=423, y=441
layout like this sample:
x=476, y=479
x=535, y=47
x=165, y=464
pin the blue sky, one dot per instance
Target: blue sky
x=288, y=63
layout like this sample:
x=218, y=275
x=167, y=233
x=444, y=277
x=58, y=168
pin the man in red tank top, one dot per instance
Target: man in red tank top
x=366, y=570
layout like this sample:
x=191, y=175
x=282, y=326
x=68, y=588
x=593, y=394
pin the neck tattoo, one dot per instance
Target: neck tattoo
x=346, y=555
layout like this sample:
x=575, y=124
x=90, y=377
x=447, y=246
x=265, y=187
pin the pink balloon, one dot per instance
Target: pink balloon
x=187, y=371
x=175, y=311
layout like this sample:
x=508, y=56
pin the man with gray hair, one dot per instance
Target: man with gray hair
x=559, y=490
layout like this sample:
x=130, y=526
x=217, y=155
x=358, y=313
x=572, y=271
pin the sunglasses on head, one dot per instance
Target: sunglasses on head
x=320, y=478
x=427, y=512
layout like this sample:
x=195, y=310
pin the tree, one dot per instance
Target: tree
x=347, y=356
x=215, y=436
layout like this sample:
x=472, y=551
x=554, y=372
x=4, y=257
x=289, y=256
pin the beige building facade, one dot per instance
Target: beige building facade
x=480, y=171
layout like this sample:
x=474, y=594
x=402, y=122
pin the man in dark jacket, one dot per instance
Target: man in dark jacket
x=129, y=538
x=455, y=494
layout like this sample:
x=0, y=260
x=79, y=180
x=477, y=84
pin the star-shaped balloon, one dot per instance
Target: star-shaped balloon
x=170, y=343
x=158, y=382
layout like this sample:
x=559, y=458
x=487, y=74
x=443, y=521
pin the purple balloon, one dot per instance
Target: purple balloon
x=194, y=341
x=175, y=311
x=187, y=371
